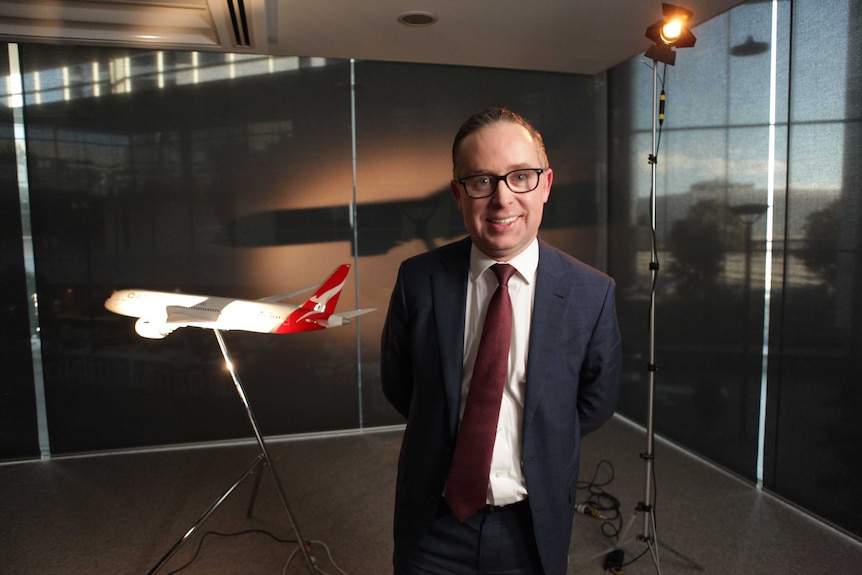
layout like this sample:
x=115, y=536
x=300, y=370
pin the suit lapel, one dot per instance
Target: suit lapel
x=549, y=306
x=449, y=293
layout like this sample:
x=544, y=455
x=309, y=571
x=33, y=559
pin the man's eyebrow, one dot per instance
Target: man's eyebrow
x=511, y=168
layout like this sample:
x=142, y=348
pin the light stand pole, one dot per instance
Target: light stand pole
x=672, y=31
x=646, y=506
x=667, y=33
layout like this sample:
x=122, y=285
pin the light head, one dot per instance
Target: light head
x=668, y=33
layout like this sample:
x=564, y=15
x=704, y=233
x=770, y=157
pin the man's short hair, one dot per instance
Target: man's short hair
x=490, y=116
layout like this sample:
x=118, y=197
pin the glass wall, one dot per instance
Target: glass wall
x=407, y=116
x=169, y=172
x=711, y=198
x=759, y=294
x=246, y=177
x=814, y=431
x=18, y=423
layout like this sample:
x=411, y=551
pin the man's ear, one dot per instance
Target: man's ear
x=456, y=192
x=549, y=179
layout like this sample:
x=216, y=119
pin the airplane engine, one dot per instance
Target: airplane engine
x=152, y=330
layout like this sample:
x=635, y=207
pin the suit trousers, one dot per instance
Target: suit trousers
x=491, y=542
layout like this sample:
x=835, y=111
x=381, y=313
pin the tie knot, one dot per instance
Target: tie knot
x=503, y=272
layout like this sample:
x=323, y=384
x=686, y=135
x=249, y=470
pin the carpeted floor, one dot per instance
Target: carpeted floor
x=121, y=513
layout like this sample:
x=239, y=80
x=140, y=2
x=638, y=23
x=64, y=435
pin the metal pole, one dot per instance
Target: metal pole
x=646, y=505
x=215, y=504
x=239, y=389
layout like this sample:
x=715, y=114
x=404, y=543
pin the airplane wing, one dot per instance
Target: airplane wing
x=338, y=319
x=355, y=312
x=280, y=298
x=178, y=314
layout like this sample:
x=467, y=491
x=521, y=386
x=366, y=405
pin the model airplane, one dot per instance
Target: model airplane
x=160, y=313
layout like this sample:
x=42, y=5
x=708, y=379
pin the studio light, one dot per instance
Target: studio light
x=668, y=33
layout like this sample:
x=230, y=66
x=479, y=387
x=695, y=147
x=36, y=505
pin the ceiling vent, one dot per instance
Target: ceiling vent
x=239, y=22
x=180, y=24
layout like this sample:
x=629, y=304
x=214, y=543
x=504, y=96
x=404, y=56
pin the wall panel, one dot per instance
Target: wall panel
x=18, y=425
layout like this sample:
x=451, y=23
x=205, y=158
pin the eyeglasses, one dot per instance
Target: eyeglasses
x=484, y=185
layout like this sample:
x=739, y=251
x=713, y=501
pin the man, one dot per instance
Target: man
x=561, y=373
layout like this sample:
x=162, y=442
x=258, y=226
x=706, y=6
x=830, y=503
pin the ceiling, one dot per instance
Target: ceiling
x=572, y=36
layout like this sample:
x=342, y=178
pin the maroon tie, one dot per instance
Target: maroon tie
x=467, y=485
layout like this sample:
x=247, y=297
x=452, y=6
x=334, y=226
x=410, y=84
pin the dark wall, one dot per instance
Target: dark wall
x=759, y=294
x=236, y=179
x=814, y=433
x=18, y=426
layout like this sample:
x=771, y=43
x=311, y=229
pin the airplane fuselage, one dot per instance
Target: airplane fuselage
x=160, y=313
x=201, y=311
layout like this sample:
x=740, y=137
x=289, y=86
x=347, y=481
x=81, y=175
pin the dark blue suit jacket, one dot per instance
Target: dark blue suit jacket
x=573, y=377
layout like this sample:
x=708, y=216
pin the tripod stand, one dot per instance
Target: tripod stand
x=262, y=458
x=646, y=507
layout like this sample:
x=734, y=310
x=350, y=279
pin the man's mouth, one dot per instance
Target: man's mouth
x=504, y=221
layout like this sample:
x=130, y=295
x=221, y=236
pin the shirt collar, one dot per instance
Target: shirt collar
x=525, y=263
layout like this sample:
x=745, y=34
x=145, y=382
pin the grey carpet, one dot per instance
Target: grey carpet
x=120, y=513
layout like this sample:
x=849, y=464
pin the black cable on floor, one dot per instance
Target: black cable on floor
x=601, y=503
x=220, y=534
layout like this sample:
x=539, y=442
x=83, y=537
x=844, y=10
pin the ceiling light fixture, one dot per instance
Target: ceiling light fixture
x=668, y=33
x=417, y=19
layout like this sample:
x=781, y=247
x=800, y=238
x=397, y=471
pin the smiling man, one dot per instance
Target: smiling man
x=502, y=352
x=503, y=220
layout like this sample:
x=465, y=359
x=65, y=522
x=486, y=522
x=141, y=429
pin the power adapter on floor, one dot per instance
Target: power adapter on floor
x=614, y=561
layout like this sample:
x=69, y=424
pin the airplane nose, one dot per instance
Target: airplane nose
x=111, y=303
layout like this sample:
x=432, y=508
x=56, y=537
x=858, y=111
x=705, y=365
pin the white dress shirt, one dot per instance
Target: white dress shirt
x=507, y=483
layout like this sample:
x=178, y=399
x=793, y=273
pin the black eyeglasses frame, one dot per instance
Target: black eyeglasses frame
x=497, y=179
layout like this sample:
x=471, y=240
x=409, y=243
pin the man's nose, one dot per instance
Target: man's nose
x=502, y=193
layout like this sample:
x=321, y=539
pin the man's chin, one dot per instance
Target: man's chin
x=501, y=250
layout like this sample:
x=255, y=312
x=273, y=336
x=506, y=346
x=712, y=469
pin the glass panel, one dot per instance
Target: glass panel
x=147, y=178
x=196, y=173
x=407, y=118
x=814, y=415
x=712, y=190
x=18, y=425
x=711, y=200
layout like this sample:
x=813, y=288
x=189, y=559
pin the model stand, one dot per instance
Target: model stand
x=262, y=458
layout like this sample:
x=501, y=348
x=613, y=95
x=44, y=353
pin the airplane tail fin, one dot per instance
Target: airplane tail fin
x=318, y=311
x=326, y=297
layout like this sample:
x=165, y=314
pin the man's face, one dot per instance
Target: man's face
x=503, y=224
